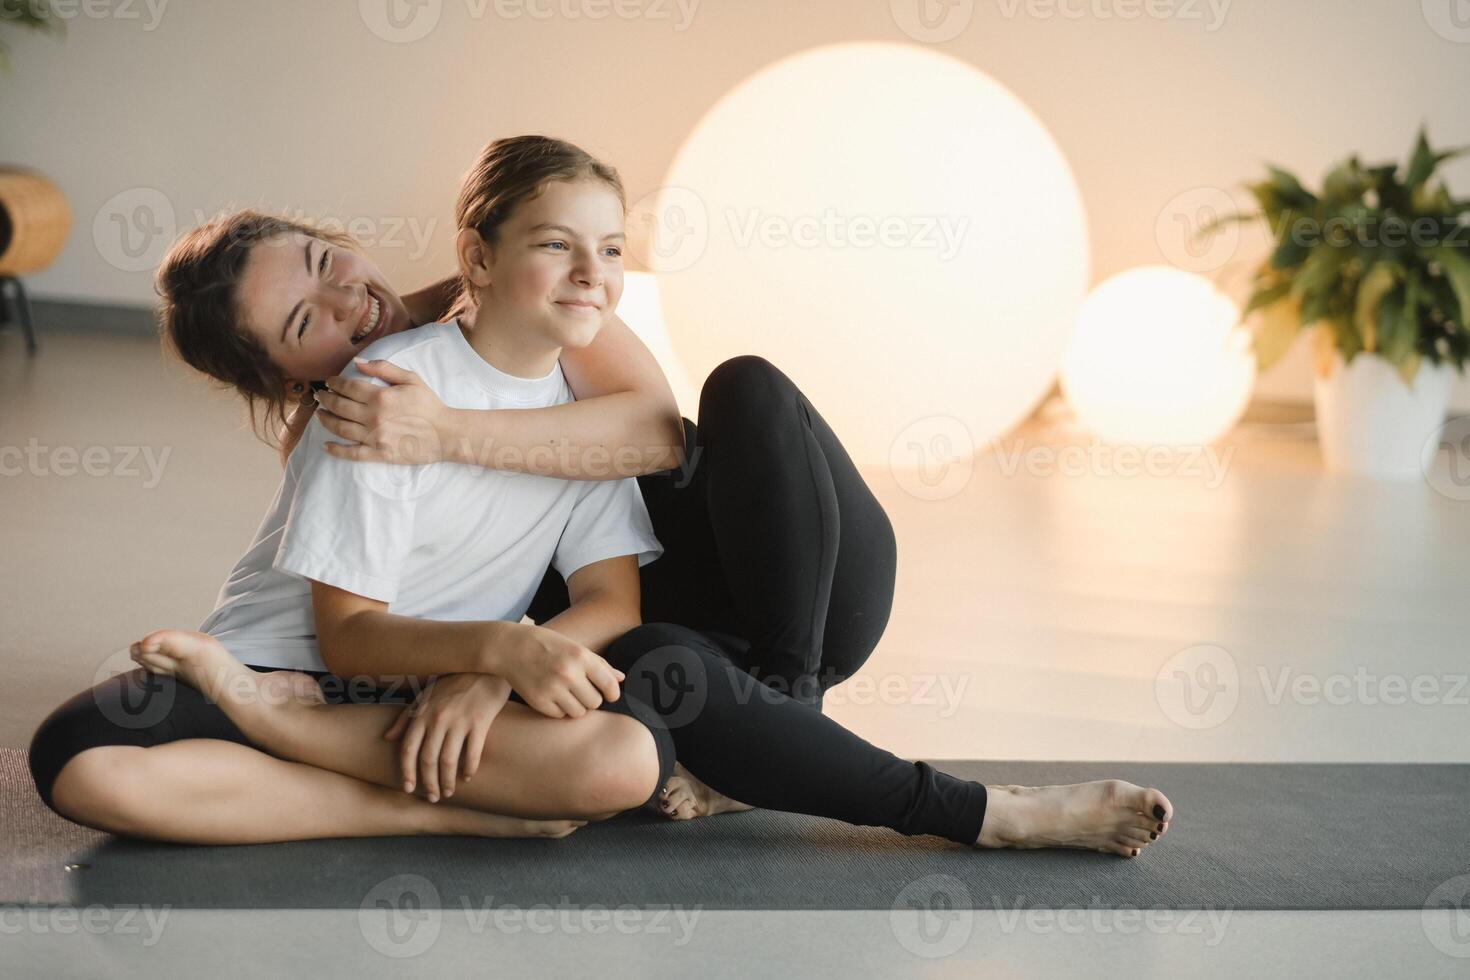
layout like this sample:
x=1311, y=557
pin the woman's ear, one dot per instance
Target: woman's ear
x=297, y=390
x=475, y=257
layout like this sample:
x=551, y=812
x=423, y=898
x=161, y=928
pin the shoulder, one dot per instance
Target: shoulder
x=407, y=345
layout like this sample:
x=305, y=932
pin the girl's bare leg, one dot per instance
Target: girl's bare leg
x=591, y=767
x=209, y=791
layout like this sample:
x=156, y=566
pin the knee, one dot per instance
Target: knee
x=621, y=772
x=104, y=788
x=745, y=380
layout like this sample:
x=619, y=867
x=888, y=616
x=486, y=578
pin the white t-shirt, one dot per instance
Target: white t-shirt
x=442, y=541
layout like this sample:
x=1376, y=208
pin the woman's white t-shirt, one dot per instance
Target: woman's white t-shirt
x=441, y=541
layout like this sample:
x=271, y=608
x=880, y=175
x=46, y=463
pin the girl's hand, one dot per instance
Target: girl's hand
x=447, y=722
x=555, y=674
x=402, y=423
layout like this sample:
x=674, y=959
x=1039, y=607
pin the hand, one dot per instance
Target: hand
x=402, y=423
x=555, y=675
x=446, y=722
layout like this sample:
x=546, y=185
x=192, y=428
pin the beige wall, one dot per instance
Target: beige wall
x=190, y=107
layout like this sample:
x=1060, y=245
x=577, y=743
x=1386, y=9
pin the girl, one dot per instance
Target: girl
x=512, y=193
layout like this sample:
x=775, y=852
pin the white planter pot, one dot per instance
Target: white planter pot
x=1372, y=424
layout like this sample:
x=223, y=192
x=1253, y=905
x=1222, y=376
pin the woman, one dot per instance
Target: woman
x=1102, y=815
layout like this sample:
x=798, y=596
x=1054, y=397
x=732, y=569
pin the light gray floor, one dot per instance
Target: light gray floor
x=1275, y=614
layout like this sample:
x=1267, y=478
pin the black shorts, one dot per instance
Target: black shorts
x=145, y=709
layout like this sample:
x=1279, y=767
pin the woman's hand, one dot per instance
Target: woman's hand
x=447, y=722
x=556, y=675
x=403, y=423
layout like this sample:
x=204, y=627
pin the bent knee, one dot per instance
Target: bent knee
x=622, y=771
x=103, y=787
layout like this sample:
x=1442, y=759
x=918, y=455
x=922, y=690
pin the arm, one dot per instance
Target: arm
x=625, y=424
x=625, y=408
x=605, y=603
x=359, y=637
x=432, y=303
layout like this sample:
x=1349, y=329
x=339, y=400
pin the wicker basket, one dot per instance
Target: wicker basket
x=34, y=221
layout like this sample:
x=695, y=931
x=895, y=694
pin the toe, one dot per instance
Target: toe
x=1157, y=805
x=1135, y=838
x=1116, y=847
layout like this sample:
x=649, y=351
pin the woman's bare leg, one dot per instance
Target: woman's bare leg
x=591, y=767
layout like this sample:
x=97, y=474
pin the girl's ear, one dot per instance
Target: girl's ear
x=475, y=257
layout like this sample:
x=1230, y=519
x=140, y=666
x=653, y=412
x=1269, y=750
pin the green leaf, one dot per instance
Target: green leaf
x=1456, y=266
x=1345, y=182
x=1398, y=334
x=1289, y=254
x=1264, y=296
x=1424, y=161
x=1377, y=283
x=1289, y=188
x=1319, y=273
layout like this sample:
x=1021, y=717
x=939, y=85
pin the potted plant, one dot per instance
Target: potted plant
x=34, y=214
x=1376, y=267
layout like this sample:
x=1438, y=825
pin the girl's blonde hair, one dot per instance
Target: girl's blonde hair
x=511, y=171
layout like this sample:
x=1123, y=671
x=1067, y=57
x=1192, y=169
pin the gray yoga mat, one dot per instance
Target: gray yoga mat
x=1246, y=836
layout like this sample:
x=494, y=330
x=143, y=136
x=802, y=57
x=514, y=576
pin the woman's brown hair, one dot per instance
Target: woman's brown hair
x=513, y=170
x=200, y=316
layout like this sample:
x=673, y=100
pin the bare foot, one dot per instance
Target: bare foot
x=685, y=798
x=258, y=703
x=1107, y=815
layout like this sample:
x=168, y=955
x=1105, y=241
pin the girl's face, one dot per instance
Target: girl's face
x=313, y=305
x=556, y=270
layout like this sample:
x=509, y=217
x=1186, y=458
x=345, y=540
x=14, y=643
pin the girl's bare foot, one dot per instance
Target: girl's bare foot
x=685, y=798
x=1107, y=815
x=260, y=703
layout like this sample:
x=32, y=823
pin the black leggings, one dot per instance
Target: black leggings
x=774, y=547
x=752, y=575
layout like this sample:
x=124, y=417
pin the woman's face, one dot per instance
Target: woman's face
x=313, y=305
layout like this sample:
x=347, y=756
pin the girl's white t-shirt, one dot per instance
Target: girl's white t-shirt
x=441, y=541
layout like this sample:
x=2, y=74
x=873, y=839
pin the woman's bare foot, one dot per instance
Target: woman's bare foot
x=259, y=703
x=1107, y=815
x=685, y=798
